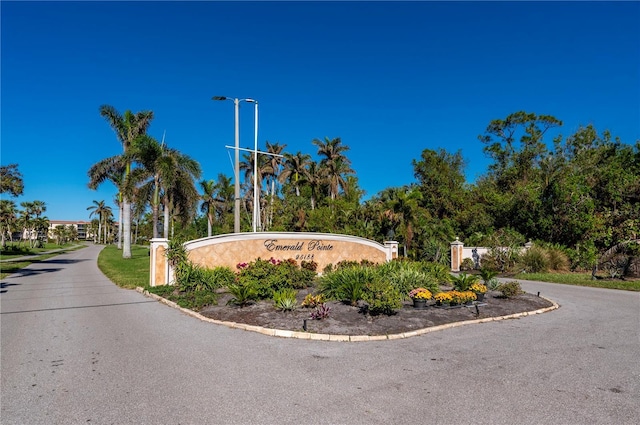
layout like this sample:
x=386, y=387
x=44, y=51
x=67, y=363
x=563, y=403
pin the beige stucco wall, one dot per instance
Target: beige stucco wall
x=312, y=247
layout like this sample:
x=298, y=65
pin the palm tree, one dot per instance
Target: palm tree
x=403, y=204
x=26, y=220
x=335, y=164
x=110, y=169
x=98, y=208
x=208, y=199
x=225, y=193
x=127, y=127
x=336, y=172
x=315, y=180
x=294, y=169
x=8, y=219
x=271, y=172
x=170, y=174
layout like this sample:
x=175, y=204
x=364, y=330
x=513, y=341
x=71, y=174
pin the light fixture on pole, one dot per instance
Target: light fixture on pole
x=236, y=171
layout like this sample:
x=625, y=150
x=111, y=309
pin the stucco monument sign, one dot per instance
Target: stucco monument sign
x=230, y=250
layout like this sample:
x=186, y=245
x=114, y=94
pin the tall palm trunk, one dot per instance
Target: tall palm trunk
x=120, y=211
x=156, y=205
x=126, y=231
x=166, y=218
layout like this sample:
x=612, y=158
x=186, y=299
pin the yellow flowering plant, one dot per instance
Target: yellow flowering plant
x=478, y=288
x=420, y=294
x=467, y=296
x=443, y=297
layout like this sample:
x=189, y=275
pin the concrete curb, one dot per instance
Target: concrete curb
x=282, y=333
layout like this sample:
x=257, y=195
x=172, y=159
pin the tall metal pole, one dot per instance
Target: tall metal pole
x=236, y=211
x=256, y=192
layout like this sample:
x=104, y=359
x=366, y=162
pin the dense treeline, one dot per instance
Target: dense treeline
x=578, y=192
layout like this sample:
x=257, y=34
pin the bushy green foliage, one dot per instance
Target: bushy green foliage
x=268, y=276
x=312, y=301
x=381, y=297
x=487, y=274
x=176, y=252
x=221, y=276
x=439, y=272
x=534, y=260
x=467, y=264
x=510, y=289
x=558, y=259
x=285, y=299
x=193, y=300
x=346, y=284
x=243, y=294
x=193, y=277
x=463, y=281
x=407, y=275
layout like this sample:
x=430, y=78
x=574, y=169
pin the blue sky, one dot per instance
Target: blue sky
x=391, y=79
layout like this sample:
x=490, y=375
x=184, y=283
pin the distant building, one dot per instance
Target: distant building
x=81, y=226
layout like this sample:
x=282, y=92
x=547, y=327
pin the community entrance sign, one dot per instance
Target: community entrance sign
x=230, y=250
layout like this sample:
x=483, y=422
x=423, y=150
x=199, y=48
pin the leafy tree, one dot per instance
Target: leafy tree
x=100, y=209
x=11, y=180
x=441, y=181
x=515, y=159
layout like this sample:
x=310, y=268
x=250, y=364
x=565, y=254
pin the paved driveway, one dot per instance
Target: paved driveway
x=77, y=349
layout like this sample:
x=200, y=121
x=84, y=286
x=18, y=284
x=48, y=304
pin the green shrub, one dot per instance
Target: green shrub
x=195, y=300
x=467, y=264
x=407, y=275
x=463, y=281
x=243, y=294
x=534, y=260
x=312, y=301
x=487, y=274
x=439, y=272
x=285, y=299
x=268, y=276
x=381, y=297
x=492, y=284
x=510, y=289
x=219, y=277
x=346, y=284
x=501, y=258
x=161, y=290
x=558, y=260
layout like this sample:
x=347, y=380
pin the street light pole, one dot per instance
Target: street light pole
x=236, y=171
x=256, y=198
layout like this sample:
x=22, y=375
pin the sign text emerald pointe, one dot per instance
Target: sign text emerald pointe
x=314, y=245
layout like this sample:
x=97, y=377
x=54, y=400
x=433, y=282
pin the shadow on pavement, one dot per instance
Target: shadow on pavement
x=63, y=261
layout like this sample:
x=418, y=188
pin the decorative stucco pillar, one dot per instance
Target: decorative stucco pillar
x=392, y=250
x=159, y=266
x=456, y=255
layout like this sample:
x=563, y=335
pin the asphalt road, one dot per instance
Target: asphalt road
x=77, y=349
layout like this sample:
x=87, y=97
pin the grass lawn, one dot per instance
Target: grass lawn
x=581, y=279
x=128, y=273
x=7, y=268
